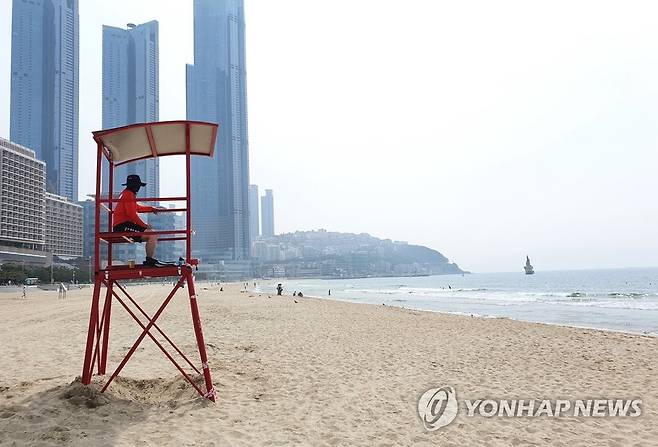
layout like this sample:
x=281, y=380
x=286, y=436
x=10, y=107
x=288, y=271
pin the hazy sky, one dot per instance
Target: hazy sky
x=486, y=130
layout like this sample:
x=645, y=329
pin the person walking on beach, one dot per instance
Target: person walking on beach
x=126, y=219
x=279, y=289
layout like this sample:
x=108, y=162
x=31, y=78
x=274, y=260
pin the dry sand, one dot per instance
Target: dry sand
x=315, y=372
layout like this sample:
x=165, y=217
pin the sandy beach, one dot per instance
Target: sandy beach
x=304, y=371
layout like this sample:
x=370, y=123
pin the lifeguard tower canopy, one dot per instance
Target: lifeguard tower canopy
x=147, y=140
x=124, y=145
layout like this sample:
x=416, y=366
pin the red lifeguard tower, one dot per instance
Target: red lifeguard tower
x=124, y=145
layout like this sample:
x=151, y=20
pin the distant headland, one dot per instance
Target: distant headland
x=327, y=254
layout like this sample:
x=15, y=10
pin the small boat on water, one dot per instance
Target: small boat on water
x=528, y=267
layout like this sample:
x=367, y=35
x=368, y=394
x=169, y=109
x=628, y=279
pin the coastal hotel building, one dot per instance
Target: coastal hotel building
x=34, y=225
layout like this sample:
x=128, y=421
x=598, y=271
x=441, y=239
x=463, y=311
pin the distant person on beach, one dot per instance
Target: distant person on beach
x=294, y=293
x=279, y=289
x=300, y=294
x=126, y=220
x=329, y=292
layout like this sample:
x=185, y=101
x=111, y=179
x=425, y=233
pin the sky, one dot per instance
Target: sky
x=485, y=130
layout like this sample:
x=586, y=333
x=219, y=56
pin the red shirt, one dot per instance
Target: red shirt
x=127, y=209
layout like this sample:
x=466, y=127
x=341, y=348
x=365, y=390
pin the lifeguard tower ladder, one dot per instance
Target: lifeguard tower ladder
x=124, y=145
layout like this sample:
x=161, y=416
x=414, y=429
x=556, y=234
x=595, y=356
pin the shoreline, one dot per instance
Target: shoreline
x=624, y=301
x=484, y=317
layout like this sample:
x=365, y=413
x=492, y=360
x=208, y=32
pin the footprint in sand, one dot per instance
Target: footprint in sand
x=7, y=413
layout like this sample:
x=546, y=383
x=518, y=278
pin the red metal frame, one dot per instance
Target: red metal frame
x=98, y=339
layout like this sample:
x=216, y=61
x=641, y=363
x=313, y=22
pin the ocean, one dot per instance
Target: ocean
x=617, y=299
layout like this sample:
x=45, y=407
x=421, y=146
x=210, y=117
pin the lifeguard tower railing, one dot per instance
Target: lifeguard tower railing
x=136, y=142
x=119, y=146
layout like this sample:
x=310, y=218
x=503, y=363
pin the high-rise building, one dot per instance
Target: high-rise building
x=180, y=223
x=131, y=93
x=89, y=230
x=254, y=218
x=22, y=205
x=63, y=227
x=166, y=250
x=44, y=87
x=217, y=92
x=267, y=212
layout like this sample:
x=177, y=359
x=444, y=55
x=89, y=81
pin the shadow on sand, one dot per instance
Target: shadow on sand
x=75, y=414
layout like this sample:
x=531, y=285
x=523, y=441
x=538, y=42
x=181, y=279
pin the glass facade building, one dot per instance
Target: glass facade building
x=217, y=92
x=254, y=224
x=267, y=211
x=131, y=95
x=45, y=86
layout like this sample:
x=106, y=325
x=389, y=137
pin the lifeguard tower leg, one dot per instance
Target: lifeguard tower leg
x=106, y=326
x=145, y=331
x=196, y=320
x=88, y=367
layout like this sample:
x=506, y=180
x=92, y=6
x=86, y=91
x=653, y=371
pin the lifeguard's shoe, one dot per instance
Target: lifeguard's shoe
x=150, y=262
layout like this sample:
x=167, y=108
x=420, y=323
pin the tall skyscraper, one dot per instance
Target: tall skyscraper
x=131, y=93
x=45, y=86
x=217, y=92
x=267, y=211
x=254, y=230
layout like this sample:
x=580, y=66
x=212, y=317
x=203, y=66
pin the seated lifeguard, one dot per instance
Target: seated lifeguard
x=126, y=219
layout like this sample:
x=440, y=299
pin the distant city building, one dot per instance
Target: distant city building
x=88, y=229
x=166, y=250
x=263, y=251
x=228, y=270
x=44, y=87
x=259, y=250
x=131, y=95
x=267, y=213
x=180, y=223
x=274, y=253
x=254, y=218
x=217, y=92
x=63, y=227
x=22, y=205
x=88, y=222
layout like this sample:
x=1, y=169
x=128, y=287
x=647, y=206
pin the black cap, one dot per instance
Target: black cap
x=133, y=179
